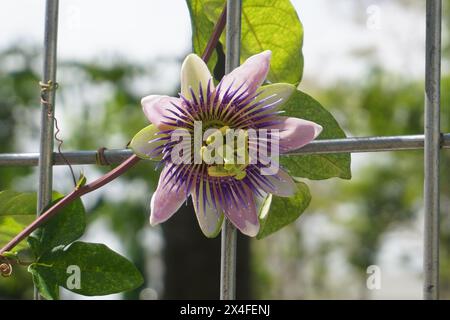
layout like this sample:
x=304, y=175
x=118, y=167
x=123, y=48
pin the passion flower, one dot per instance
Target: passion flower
x=214, y=141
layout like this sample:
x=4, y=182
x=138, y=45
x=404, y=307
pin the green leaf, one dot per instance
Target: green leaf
x=81, y=181
x=17, y=203
x=64, y=228
x=278, y=212
x=44, y=280
x=266, y=25
x=102, y=271
x=34, y=243
x=202, y=28
x=10, y=255
x=318, y=166
x=17, y=210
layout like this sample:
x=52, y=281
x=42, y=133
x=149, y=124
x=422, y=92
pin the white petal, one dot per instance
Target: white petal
x=209, y=216
x=194, y=72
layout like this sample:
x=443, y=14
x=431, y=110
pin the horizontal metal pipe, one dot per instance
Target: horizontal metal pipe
x=369, y=144
x=353, y=145
x=114, y=156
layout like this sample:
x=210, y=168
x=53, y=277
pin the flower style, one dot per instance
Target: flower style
x=220, y=188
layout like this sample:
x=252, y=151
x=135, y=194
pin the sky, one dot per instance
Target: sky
x=335, y=31
x=339, y=38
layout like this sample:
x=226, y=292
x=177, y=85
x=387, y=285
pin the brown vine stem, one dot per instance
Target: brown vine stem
x=113, y=174
x=217, y=32
x=75, y=194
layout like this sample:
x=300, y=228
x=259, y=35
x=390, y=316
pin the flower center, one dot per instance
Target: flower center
x=226, y=153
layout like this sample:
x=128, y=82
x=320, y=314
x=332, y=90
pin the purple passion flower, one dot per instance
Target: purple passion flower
x=213, y=144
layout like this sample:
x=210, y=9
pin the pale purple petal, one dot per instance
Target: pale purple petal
x=156, y=108
x=276, y=93
x=294, y=133
x=280, y=184
x=243, y=217
x=167, y=198
x=250, y=75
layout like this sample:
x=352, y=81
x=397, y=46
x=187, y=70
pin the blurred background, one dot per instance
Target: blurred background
x=364, y=61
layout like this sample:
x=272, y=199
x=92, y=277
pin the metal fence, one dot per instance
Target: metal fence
x=431, y=141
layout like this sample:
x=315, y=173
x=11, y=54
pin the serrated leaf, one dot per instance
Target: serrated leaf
x=102, y=271
x=278, y=212
x=64, y=228
x=317, y=166
x=266, y=25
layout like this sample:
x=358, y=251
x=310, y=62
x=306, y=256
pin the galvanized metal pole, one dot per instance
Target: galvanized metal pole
x=432, y=148
x=48, y=87
x=353, y=145
x=229, y=235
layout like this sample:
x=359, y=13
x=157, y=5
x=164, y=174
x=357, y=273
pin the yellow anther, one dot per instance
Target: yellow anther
x=206, y=154
x=216, y=171
x=240, y=175
x=242, y=167
x=226, y=153
x=224, y=130
x=210, y=139
x=229, y=166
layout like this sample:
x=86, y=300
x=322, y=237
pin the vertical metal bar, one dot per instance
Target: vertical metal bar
x=229, y=235
x=47, y=107
x=432, y=148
